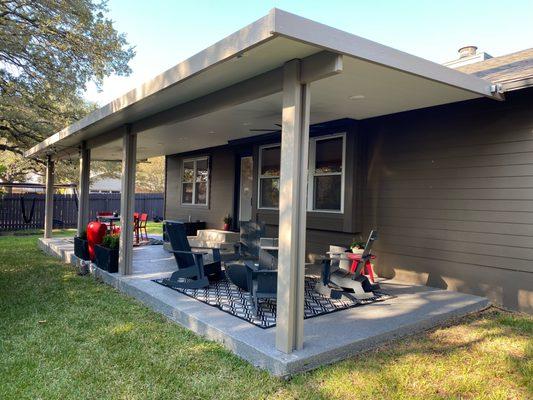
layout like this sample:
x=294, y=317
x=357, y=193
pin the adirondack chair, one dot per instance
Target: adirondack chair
x=337, y=281
x=255, y=277
x=257, y=271
x=248, y=246
x=191, y=264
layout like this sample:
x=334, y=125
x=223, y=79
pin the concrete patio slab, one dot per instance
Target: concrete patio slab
x=328, y=338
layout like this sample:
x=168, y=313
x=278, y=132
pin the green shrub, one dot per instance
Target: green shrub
x=358, y=245
x=111, y=241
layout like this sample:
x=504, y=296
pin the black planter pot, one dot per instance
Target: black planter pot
x=106, y=259
x=81, y=249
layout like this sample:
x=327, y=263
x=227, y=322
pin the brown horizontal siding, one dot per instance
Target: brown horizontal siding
x=454, y=204
x=453, y=199
x=506, y=182
x=510, y=288
x=459, y=194
x=513, y=217
x=469, y=237
x=496, y=250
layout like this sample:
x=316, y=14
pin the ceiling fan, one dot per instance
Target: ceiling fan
x=311, y=127
x=266, y=130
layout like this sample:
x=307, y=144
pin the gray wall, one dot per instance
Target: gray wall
x=221, y=188
x=451, y=192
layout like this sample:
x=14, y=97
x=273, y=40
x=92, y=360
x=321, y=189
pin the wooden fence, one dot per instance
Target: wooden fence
x=26, y=211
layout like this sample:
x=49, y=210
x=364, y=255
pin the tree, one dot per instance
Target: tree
x=14, y=168
x=49, y=51
x=150, y=176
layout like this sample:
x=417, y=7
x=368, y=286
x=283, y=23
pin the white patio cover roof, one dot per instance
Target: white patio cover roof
x=375, y=80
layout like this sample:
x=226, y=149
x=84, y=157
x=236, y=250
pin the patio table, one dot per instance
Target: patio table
x=110, y=219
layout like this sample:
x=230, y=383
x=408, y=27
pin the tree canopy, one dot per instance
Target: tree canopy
x=49, y=51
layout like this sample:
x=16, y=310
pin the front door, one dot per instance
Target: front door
x=245, y=190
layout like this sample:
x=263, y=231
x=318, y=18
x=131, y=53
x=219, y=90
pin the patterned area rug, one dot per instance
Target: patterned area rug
x=229, y=298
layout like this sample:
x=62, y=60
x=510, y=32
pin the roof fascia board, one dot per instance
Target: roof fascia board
x=518, y=84
x=307, y=31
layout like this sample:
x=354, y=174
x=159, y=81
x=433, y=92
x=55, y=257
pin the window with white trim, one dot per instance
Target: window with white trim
x=269, y=166
x=326, y=173
x=195, y=181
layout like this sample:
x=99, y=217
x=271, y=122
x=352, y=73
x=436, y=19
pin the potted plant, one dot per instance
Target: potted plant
x=357, y=247
x=227, y=222
x=107, y=253
x=81, y=249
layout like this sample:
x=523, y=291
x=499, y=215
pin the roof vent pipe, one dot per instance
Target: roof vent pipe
x=467, y=51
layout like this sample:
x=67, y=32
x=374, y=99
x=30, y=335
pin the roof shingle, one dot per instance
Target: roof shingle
x=513, y=71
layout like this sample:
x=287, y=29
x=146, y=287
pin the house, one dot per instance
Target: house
x=448, y=187
x=324, y=136
x=104, y=185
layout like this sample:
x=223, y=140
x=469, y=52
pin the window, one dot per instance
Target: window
x=195, y=181
x=326, y=174
x=269, y=165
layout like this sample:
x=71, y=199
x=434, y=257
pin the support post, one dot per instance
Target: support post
x=292, y=209
x=83, y=193
x=49, y=198
x=127, y=202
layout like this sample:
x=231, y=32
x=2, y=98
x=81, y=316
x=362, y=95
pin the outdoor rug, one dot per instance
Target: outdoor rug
x=229, y=298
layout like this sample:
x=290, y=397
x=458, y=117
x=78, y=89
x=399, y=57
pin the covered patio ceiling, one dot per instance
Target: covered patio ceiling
x=373, y=80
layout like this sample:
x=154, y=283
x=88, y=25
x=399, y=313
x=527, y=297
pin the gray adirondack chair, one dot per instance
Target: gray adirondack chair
x=337, y=280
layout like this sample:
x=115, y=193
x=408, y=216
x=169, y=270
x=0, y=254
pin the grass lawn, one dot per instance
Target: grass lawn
x=63, y=336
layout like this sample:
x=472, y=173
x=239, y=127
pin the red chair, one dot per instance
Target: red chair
x=143, y=220
x=136, y=226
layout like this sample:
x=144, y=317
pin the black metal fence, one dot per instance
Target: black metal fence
x=26, y=211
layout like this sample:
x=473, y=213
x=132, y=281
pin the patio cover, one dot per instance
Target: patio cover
x=222, y=92
x=281, y=68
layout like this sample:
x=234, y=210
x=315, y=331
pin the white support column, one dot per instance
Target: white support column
x=49, y=198
x=83, y=193
x=292, y=209
x=127, y=202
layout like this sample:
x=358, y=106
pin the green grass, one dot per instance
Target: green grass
x=63, y=336
x=154, y=228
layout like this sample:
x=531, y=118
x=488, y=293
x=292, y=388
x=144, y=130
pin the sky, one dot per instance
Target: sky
x=166, y=32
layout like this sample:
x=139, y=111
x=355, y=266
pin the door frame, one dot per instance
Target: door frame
x=239, y=153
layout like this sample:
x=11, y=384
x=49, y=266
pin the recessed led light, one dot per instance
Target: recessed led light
x=357, y=97
x=211, y=132
x=247, y=123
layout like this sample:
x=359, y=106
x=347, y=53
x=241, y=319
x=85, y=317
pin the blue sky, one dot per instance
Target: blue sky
x=166, y=32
